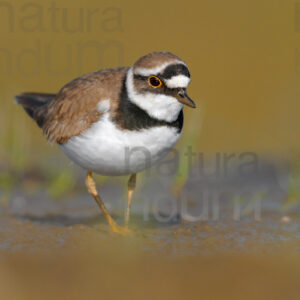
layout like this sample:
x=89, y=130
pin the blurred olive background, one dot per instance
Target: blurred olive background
x=243, y=56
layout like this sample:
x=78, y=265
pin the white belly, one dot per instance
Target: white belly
x=108, y=150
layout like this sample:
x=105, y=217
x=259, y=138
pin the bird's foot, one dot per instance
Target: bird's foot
x=115, y=228
x=120, y=230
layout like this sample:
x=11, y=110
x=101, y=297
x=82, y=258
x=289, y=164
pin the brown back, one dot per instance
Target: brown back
x=75, y=108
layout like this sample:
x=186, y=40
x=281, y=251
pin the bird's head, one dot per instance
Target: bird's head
x=157, y=83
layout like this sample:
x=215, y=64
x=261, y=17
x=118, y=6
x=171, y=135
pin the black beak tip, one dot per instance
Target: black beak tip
x=193, y=105
x=187, y=100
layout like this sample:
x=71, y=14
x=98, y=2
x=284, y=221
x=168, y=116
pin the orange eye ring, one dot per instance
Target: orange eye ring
x=154, y=81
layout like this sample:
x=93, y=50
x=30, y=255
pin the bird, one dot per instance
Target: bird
x=116, y=121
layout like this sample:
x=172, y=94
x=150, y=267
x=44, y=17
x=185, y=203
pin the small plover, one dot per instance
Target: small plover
x=117, y=121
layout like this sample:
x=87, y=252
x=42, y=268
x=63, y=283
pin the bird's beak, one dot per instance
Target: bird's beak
x=185, y=99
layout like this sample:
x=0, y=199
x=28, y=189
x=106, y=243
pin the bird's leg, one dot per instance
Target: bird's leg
x=91, y=187
x=131, y=187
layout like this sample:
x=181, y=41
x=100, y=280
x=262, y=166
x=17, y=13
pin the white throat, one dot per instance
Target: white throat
x=158, y=106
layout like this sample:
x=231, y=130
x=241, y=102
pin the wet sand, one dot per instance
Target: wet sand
x=203, y=260
x=63, y=249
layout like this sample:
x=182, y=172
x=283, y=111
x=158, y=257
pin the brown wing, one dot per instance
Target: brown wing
x=75, y=108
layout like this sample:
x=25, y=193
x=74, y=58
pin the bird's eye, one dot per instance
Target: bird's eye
x=154, y=81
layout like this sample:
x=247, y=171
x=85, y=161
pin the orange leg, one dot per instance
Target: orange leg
x=131, y=187
x=91, y=187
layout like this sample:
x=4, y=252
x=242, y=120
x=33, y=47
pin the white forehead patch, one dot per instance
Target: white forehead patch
x=156, y=70
x=178, y=81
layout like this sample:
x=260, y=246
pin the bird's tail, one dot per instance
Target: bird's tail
x=35, y=104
